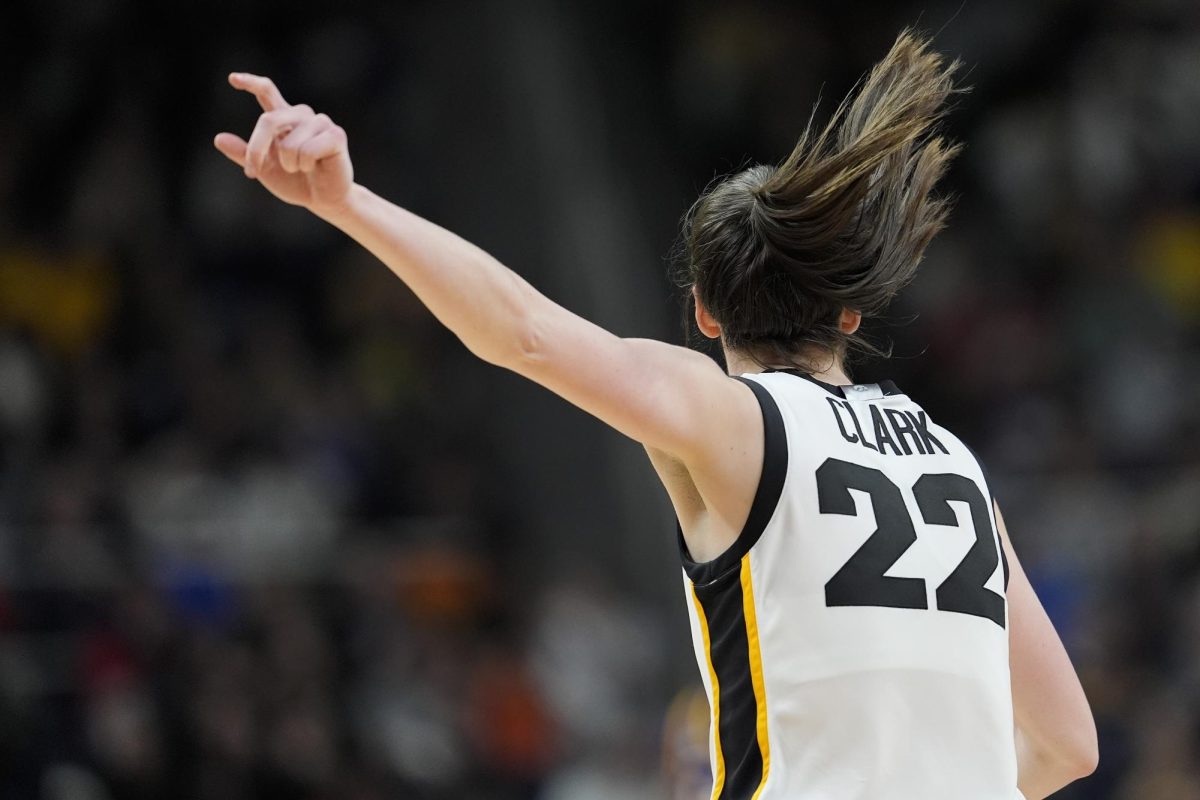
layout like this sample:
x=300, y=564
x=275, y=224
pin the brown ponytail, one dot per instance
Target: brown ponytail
x=776, y=253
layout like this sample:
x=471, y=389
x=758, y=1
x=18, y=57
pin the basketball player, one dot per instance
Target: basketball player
x=863, y=627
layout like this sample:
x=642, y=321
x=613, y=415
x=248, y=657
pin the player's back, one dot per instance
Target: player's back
x=853, y=641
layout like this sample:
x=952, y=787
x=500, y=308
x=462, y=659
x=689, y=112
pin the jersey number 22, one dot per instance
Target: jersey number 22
x=861, y=580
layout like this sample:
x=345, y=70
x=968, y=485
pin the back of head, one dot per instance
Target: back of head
x=776, y=253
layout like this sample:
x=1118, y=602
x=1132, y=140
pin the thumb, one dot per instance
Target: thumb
x=234, y=147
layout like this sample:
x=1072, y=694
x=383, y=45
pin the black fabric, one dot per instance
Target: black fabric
x=766, y=497
x=887, y=387
x=987, y=489
x=730, y=653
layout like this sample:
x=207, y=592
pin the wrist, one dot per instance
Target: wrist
x=348, y=208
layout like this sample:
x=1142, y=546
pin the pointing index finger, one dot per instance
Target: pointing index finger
x=263, y=89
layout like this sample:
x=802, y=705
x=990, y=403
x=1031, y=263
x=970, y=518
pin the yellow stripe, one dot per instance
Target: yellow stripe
x=719, y=778
x=756, y=672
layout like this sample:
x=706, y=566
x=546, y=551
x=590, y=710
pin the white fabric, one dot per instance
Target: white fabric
x=866, y=702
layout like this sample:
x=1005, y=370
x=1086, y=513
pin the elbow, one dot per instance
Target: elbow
x=516, y=338
x=1080, y=757
x=522, y=348
x=1067, y=755
x=528, y=346
x=1086, y=756
x=519, y=349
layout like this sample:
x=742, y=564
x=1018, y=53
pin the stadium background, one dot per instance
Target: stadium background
x=267, y=531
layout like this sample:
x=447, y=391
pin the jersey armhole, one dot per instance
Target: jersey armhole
x=766, y=496
x=991, y=494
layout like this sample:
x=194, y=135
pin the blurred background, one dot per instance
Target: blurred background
x=268, y=531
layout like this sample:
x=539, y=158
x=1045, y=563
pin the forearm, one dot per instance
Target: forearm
x=481, y=301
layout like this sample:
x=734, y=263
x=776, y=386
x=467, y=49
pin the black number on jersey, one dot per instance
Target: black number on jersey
x=861, y=580
x=963, y=591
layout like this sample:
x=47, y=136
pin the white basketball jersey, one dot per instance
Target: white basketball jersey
x=853, y=642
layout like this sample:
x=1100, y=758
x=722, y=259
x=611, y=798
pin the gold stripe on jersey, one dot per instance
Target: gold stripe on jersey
x=756, y=672
x=719, y=778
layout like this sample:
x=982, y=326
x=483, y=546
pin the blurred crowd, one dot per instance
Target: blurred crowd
x=267, y=530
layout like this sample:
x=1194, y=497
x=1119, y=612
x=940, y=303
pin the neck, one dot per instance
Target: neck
x=740, y=364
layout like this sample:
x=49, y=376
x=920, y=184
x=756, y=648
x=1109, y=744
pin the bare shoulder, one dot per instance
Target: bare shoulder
x=712, y=492
x=702, y=428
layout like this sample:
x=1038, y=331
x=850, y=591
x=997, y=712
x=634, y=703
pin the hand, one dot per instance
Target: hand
x=300, y=157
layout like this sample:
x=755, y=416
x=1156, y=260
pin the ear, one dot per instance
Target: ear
x=704, y=320
x=849, y=321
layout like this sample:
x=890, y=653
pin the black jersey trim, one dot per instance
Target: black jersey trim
x=766, y=497
x=887, y=387
x=988, y=489
x=724, y=606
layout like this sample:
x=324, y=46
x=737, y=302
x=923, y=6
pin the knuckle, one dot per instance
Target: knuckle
x=324, y=118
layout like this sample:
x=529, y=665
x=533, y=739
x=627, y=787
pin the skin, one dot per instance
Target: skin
x=702, y=430
x=710, y=515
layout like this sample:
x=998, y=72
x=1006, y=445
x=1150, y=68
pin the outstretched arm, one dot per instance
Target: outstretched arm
x=662, y=396
x=655, y=393
x=1055, y=733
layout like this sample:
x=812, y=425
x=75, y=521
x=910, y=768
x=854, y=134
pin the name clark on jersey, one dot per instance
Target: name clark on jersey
x=895, y=432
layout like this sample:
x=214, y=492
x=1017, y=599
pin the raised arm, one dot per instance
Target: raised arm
x=1055, y=732
x=668, y=398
